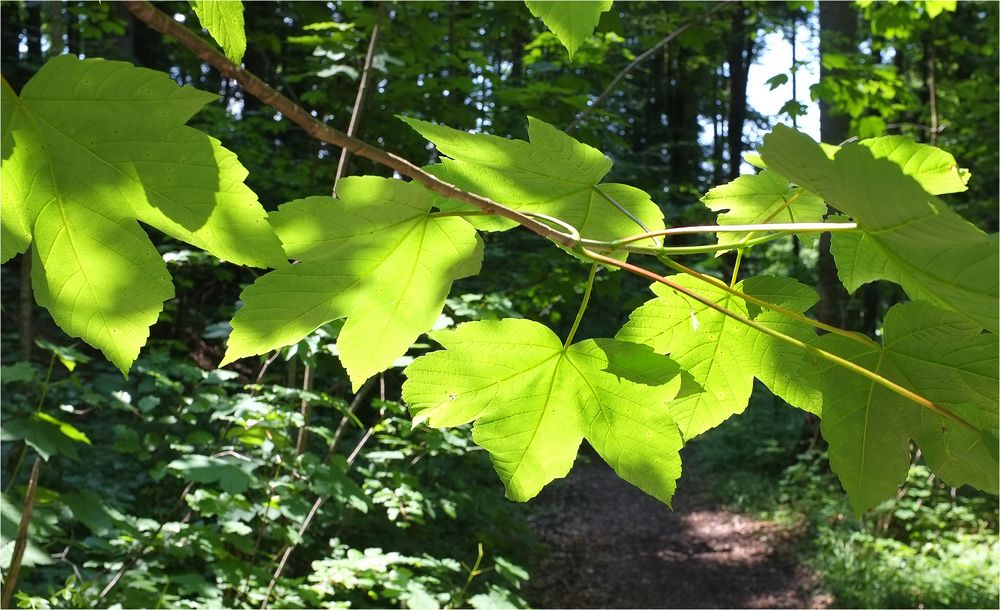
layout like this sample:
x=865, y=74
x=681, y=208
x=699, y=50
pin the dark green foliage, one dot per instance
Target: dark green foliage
x=172, y=424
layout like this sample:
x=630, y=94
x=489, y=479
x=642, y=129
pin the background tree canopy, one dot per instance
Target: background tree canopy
x=282, y=481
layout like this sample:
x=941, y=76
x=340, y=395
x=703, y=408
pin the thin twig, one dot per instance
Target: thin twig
x=597, y=189
x=802, y=227
x=163, y=23
x=10, y=584
x=359, y=101
x=635, y=62
x=146, y=548
x=342, y=426
x=352, y=127
x=264, y=521
x=307, y=381
x=263, y=369
x=932, y=86
x=287, y=551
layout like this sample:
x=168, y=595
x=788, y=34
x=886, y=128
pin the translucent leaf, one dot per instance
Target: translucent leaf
x=762, y=198
x=46, y=435
x=723, y=355
x=936, y=7
x=224, y=21
x=571, y=21
x=80, y=169
x=940, y=356
x=911, y=237
x=533, y=402
x=936, y=170
x=553, y=174
x=233, y=475
x=375, y=256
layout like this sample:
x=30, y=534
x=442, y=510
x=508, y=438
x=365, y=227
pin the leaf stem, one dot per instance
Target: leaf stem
x=736, y=268
x=815, y=351
x=761, y=302
x=797, y=227
x=446, y=213
x=685, y=250
x=784, y=206
x=583, y=305
x=597, y=189
x=472, y=574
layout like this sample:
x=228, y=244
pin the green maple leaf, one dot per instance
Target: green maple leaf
x=533, y=402
x=375, y=256
x=762, y=198
x=723, y=355
x=553, y=174
x=936, y=170
x=937, y=354
x=913, y=238
x=571, y=21
x=224, y=21
x=91, y=146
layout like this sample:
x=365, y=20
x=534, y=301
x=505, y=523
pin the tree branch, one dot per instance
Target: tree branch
x=359, y=100
x=21, y=543
x=635, y=62
x=161, y=22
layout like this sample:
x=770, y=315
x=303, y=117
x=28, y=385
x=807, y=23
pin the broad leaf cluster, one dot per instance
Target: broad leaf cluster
x=81, y=171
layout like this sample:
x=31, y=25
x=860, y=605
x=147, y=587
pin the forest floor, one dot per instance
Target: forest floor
x=612, y=546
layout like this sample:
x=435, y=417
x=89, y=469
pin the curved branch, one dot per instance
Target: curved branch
x=163, y=23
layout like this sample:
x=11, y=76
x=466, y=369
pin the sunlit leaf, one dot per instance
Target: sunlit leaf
x=762, y=198
x=79, y=169
x=913, y=238
x=224, y=21
x=723, y=355
x=533, y=402
x=572, y=21
x=375, y=256
x=553, y=174
x=942, y=357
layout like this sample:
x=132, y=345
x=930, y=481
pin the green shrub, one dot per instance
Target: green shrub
x=865, y=571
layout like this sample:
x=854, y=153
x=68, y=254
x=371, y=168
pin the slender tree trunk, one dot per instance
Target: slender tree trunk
x=72, y=24
x=740, y=58
x=33, y=39
x=838, y=28
x=11, y=29
x=718, y=131
x=56, y=29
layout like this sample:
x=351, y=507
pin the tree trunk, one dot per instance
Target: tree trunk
x=740, y=58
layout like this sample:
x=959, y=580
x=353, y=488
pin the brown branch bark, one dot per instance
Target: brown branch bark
x=160, y=21
x=10, y=584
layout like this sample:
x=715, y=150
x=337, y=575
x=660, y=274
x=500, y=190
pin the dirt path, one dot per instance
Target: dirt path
x=612, y=546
